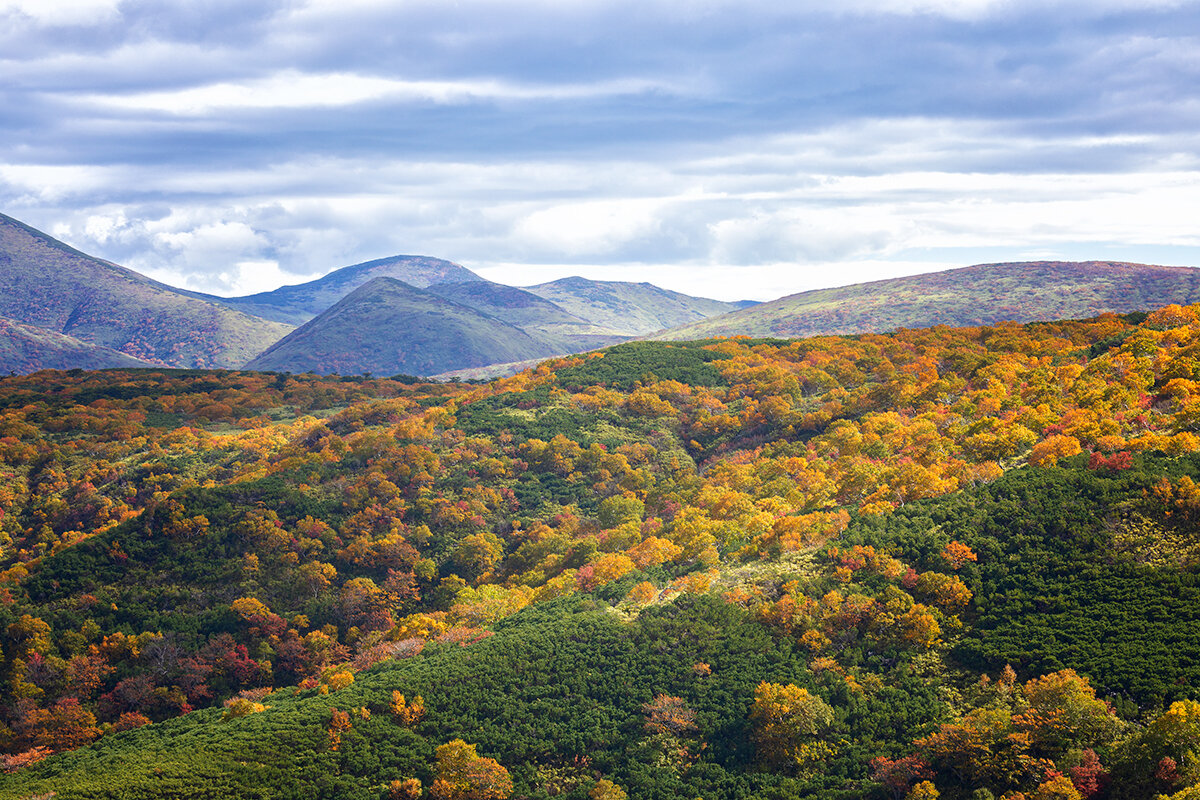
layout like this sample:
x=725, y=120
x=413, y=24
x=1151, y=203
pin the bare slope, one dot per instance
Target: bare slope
x=298, y=304
x=629, y=309
x=45, y=283
x=27, y=348
x=978, y=295
x=387, y=327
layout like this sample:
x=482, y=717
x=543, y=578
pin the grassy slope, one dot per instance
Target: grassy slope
x=979, y=295
x=44, y=282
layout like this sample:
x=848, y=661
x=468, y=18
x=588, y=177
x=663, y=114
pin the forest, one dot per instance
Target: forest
x=948, y=562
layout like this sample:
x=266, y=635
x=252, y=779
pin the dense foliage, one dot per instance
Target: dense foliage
x=738, y=568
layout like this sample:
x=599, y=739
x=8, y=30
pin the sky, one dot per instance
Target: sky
x=740, y=150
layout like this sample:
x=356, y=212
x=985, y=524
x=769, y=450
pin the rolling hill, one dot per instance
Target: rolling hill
x=48, y=284
x=388, y=327
x=297, y=304
x=980, y=295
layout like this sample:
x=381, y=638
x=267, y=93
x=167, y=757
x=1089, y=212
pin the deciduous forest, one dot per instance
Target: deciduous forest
x=950, y=562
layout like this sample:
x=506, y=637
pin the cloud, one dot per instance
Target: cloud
x=739, y=147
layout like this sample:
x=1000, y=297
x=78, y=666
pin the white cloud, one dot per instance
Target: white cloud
x=588, y=228
x=292, y=89
x=62, y=12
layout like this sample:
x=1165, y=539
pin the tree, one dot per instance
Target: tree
x=462, y=774
x=607, y=790
x=784, y=717
x=667, y=714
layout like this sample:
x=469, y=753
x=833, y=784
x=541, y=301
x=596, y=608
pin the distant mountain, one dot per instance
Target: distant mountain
x=562, y=331
x=388, y=327
x=297, y=304
x=630, y=309
x=45, y=283
x=980, y=295
x=27, y=348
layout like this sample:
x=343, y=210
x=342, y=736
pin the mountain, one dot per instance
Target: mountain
x=388, y=327
x=27, y=348
x=980, y=295
x=297, y=304
x=563, y=331
x=629, y=309
x=46, y=283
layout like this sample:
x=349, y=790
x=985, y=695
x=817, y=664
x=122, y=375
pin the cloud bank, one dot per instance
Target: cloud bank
x=732, y=149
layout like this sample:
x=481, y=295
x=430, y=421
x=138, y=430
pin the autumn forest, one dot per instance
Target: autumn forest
x=948, y=562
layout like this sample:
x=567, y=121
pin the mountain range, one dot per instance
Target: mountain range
x=61, y=308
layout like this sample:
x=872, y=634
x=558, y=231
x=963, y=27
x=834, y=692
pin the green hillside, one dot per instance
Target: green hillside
x=981, y=295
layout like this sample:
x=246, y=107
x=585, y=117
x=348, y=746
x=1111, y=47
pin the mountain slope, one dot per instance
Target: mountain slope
x=27, y=348
x=297, y=304
x=629, y=309
x=621, y=569
x=44, y=282
x=980, y=295
x=388, y=327
x=563, y=331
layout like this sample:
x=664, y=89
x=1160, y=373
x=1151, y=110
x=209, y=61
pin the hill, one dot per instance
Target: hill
x=629, y=309
x=26, y=348
x=45, y=283
x=388, y=327
x=950, y=562
x=297, y=304
x=980, y=295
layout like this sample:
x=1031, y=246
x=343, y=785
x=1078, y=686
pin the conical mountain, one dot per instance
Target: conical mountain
x=48, y=284
x=980, y=295
x=388, y=327
x=301, y=302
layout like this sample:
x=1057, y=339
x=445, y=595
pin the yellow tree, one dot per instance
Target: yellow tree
x=462, y=774
x=785, y=718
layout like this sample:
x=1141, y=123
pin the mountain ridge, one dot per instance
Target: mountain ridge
x=981, y=294
x=296, y=304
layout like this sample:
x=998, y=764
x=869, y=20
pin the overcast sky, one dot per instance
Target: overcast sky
x=739, y=149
